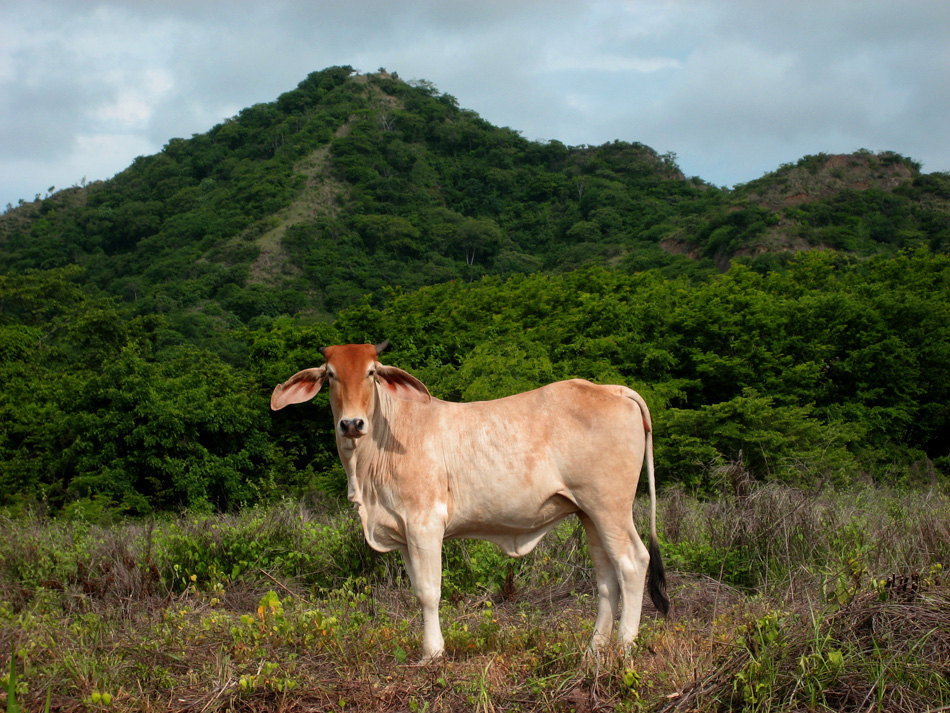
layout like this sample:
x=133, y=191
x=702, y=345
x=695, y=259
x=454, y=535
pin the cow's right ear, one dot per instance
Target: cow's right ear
x=300, y=387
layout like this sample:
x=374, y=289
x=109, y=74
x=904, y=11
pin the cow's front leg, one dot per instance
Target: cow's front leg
x=423, y=558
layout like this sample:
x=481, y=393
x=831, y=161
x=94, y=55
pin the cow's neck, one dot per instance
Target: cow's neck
x=364, y=459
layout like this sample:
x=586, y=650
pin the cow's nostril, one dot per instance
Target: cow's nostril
x=351, y=426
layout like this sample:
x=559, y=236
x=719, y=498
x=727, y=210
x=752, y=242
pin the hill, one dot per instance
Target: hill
x=862, y=203
x=341, y=187
x=145, y=319
x=352, y=183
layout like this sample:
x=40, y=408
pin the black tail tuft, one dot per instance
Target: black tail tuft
x=657, y=576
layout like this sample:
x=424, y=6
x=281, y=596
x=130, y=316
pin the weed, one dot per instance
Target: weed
x=14, y=687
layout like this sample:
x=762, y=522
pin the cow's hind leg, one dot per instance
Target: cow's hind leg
x=630, y=559
x=423, y=559
x=608, y=587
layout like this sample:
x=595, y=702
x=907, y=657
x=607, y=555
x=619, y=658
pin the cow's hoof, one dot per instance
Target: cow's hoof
x=431, y=658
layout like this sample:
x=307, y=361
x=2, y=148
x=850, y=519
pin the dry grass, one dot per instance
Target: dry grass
x=887, y=650
x=848, y=610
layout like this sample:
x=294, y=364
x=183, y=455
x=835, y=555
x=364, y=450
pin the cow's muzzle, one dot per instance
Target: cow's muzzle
x=352, y=427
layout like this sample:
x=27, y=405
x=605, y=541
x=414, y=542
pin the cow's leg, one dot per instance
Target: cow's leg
x=630, y=560
x=423, y=558
x=608, y=587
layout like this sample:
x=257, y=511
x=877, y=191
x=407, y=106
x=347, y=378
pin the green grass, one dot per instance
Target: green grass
x=783, y=600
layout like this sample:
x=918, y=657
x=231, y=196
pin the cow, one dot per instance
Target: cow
x=421, y=470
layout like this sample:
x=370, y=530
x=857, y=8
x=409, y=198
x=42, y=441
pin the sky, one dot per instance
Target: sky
x=733, y=88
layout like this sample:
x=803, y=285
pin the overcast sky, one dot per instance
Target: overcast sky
x=735, y=89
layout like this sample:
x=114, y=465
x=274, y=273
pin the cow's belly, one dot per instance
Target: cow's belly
x=516, y=531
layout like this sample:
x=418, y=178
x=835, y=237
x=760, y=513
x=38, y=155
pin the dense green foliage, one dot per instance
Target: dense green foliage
x=826, y=369
x=144, y=320
x=822, y=370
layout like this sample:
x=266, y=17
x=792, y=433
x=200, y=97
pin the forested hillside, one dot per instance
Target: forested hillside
x=144, y=320
x=351, y=183
x=829, y=370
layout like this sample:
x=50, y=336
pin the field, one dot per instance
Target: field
x=783, y=600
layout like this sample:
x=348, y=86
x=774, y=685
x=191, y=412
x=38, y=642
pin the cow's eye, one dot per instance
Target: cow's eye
x=372, y=373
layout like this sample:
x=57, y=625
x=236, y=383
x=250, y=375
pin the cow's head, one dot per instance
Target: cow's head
x=354, y=371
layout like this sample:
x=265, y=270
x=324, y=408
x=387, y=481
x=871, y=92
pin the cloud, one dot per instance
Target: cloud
x=734, y=88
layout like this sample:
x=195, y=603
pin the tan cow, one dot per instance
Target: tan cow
x=421, y=470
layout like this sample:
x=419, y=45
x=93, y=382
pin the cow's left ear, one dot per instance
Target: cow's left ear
x=402, y=385
x=300, y=387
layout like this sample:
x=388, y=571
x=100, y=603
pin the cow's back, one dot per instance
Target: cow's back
x=568, y=424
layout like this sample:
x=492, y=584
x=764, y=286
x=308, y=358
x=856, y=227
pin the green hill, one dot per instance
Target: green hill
x=341, y=187
x=351, y=183
x=144, y=319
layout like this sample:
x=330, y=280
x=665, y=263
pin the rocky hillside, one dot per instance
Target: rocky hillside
x=823, y=176
x=862, y=203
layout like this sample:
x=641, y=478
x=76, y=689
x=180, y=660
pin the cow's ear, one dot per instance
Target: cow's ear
x=300, y=387
x=402, y=384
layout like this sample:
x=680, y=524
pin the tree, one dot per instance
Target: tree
x=186, y=431
x=504, y=367
x=388, y=233
x=477, y=239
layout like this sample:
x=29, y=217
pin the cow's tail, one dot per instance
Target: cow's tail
x=656, y=572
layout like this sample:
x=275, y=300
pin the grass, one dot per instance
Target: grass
x=784, y=600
